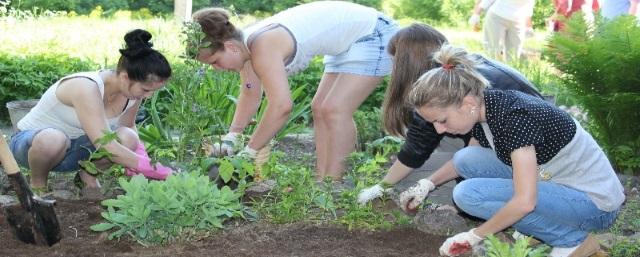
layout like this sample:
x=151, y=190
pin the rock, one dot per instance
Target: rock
x=6, y=200
x=259, y=189
x=64, y=194
x=606, y=240
x=442, y=222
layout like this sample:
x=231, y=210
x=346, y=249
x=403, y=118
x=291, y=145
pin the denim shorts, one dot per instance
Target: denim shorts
x=80, y=150
x=368, y=55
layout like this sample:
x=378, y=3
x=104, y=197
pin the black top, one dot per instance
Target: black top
x=517, y=120
x=421, y=136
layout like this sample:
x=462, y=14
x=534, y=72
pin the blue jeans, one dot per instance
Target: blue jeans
x=562, y=217
x=79, y=150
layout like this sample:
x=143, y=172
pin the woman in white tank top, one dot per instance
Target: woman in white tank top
x=80, y=108
x=353, y=40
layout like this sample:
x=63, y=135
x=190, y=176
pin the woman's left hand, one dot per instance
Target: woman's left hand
x=460, y=243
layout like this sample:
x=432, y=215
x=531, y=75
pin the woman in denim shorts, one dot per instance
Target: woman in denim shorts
x=81, y=108
x=352, y=38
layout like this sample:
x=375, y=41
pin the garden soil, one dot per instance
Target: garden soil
x=248, y=239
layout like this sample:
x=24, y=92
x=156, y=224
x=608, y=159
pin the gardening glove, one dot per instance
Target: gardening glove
x=152, y=171
x=474, y=20
x=229, y=141
x=460, y=243
x=413, y=196
x=371, y=193
x=248, y=153
x=141, y=151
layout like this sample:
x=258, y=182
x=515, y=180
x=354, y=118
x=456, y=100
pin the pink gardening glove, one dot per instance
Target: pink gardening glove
x=146, y=168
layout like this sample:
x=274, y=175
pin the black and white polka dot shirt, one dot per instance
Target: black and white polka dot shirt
x=517, y=120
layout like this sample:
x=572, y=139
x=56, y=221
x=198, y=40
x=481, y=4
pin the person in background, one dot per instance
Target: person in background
x=505, y=26
x=75, y=112
x=412, y=48
x=615, y=8
x=351, y=37
x=529, y=165
x=565, y=8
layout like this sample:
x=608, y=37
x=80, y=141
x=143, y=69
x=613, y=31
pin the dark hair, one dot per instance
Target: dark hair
x=216, y=26
x=412, y=48
x=141, y=62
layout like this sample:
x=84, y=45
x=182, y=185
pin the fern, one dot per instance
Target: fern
x=600, y=69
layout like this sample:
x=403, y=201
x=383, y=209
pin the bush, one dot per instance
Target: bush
x=600, y=69
x=28, y=77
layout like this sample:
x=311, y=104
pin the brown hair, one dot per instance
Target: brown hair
x=448, y=85
x=412, y=48
x=216, y=26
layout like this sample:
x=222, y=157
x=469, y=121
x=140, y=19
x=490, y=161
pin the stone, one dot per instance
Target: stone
x=440, y=221
x=63, y=194
x=259, y=189
x=6, y=200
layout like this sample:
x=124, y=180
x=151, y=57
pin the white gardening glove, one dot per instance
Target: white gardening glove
x=371, y=193
x=226, y=147
x=460, y=243
x=474, y=20
x=413, y=196
x=248, y=153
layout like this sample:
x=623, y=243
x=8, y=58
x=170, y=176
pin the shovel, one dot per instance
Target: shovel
x=34, y=221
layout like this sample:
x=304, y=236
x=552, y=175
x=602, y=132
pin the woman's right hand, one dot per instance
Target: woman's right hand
x=227, y=145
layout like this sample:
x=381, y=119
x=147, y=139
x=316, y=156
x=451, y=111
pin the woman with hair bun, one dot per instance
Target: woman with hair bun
x=529, y=165
x=77, y=110
x=351, y=37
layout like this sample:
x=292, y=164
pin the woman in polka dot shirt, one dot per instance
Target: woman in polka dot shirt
x=529, y=165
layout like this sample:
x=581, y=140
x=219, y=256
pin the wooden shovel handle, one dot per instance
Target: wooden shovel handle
x=8, y=162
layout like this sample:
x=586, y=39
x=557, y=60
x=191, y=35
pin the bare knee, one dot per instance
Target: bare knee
x=128, y=137
x=330, y=113
x=49, y=143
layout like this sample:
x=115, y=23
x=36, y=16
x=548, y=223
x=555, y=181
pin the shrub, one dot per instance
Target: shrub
x=600, y=69
x=26, y=77
x=184, y=207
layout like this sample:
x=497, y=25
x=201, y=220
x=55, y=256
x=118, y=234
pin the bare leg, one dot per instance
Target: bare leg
x=47, y=150
x=319, y=126
x=346, y=95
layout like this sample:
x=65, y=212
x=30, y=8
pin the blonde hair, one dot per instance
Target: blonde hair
x=412, y=49
x=216, y=26
x=449, y=84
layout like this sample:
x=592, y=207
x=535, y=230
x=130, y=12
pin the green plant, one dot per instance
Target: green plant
x=625, y=248
x=369, y=126
x=497, y=248
x=234, y=171
x=184, y=207
x=599, y=69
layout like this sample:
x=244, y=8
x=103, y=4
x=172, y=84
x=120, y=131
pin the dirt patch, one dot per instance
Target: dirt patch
x=247, y=239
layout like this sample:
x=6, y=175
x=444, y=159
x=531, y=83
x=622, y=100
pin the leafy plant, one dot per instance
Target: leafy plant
x=497, y=248
x=184, y=207
x=234, y=171
x=27, y=77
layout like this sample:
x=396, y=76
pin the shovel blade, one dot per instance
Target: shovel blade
x=46, y=222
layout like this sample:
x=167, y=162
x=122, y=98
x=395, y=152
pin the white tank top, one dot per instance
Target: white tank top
x=320, y=28
x=51, y=113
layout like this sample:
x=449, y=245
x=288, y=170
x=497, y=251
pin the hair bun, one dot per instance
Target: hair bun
x=137, y=43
